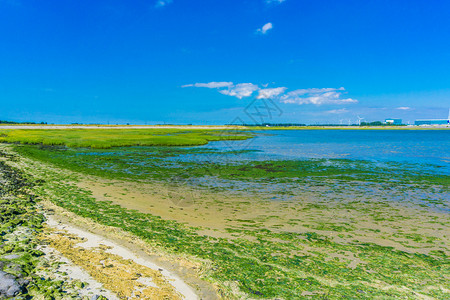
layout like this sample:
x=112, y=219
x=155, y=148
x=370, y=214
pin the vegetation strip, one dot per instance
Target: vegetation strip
x=107, y=138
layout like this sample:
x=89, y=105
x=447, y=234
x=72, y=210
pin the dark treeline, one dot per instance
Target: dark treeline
x=28, y=123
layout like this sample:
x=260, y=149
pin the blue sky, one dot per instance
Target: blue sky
x=204, y=62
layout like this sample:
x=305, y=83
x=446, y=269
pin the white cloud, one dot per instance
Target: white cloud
x=161, y=3
x=270, y=93
x=337, y=111
x=302, y=96
x=317, y=96
x=274, y=1
x=404, y=108
x=211, y=85
x=301, y=92
x=240, y=90
x=265, y=28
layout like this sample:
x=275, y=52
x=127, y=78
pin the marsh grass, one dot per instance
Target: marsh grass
x=108, y=138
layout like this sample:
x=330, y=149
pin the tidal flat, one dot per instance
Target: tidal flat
x=263, y=228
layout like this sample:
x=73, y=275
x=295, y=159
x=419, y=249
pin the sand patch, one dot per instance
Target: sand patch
x=117, y=268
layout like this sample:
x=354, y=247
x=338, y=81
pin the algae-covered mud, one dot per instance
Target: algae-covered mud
x=234, y=220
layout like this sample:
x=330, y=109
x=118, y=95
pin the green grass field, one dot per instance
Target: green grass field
x=107, y=138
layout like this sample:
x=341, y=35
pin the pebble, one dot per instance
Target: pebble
x=9, y=287
x=11, y=256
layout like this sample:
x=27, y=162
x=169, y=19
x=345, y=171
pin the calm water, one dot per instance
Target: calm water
x=429, y=149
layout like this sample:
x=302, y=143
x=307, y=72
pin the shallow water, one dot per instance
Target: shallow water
x=425, y=149
x=400, y=165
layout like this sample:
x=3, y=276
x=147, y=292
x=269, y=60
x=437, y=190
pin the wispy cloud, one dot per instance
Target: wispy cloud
x=265, y=28
x=211, y=85
x=270, y=93
x=404, y=108
x=337, y=111
x=240, y=90
x=317, y=96
x=302, y=96
x=161, y=3
x=274, y=1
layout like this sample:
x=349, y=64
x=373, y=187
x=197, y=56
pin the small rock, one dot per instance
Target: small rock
x=95, y=297
x=11, y=256
x=9, y=287
x=4, y=275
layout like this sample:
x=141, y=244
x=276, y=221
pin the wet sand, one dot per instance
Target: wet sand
x=366, y=219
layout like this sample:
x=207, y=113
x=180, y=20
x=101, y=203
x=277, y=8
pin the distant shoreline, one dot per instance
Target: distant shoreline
x=218, y=127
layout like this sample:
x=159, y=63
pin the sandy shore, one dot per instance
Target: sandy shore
x=74, y=272
x=97, y=243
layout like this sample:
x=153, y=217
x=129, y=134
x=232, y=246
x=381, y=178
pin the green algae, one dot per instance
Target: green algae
x=276, y=179
x=158, y=162
x=276, y=263
x=20, y=225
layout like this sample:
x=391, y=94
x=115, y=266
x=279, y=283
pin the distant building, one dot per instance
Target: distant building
x=434, y=121
x=393, y=121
